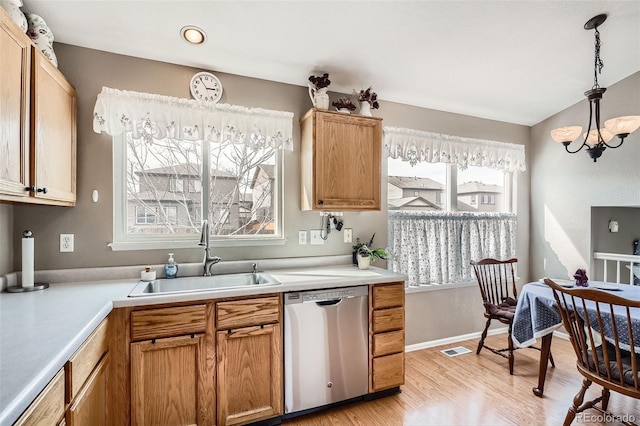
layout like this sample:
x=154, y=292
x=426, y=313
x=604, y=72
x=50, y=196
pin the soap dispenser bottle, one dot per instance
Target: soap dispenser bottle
x=171, y=268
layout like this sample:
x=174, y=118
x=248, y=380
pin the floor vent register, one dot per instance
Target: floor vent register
x=458, y=350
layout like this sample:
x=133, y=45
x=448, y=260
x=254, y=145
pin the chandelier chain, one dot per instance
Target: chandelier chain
x=598, y=64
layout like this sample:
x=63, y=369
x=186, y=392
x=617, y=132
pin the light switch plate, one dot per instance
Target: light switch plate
x=348, y=235
x=315, y=237
x=302, y=238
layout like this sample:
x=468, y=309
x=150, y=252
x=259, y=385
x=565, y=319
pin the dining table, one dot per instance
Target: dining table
x=537, y=316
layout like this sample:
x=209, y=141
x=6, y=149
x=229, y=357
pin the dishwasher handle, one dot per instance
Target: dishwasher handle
x=329, y=302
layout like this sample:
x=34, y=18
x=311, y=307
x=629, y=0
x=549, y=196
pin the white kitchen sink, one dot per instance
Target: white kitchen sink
x=194, y=284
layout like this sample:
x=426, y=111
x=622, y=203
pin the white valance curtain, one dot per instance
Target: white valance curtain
x=150, y=116
x=417, y=146
x=434, y=248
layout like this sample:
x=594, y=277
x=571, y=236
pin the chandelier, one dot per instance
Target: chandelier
x=596, y=140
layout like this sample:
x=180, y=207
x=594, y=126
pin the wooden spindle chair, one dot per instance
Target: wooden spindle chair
x=607, y=351
x=497, y=282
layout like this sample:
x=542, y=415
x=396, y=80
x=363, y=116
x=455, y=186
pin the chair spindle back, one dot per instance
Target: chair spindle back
x=496, y=279
x=600, y=328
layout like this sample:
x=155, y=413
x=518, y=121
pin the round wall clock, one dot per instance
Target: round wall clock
x=205, y=87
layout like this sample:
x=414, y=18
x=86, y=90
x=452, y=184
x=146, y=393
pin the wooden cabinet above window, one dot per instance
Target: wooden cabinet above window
x=340, y=161
x=38, y=135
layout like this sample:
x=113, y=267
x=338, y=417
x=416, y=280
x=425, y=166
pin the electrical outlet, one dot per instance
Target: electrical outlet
x=315, y=237
x=302, y=238
x=348, y=235
x=66, y=243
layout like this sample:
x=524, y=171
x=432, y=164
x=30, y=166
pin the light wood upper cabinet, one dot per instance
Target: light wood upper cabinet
x=38, y=132
x=14, y=110
x=340, y=161
x=53, y=132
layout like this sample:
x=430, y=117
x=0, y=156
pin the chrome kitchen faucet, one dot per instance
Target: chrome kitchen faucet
x=209, y=260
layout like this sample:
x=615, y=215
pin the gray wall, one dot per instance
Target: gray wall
x=6, y=242
x=565, y=187
x=602, y=240
x=88, y=70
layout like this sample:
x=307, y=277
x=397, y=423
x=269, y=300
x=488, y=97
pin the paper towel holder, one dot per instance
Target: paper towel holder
x=36, y=286
x=20, y=289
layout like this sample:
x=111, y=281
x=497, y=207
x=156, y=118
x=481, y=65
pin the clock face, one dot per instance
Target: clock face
x=206, y=87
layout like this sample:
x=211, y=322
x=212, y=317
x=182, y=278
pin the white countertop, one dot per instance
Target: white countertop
x=40, y=330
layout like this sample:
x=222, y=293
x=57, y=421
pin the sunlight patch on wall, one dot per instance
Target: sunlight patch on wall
x=561, y=245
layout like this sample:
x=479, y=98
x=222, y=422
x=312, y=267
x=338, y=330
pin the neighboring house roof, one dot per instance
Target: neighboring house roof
x=398, y=203
x=185, y=169
x=464, y=207
x=265, y=169
x=407, y=182
x=476, y=187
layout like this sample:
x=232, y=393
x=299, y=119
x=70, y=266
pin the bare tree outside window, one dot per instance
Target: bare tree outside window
x=165, y=178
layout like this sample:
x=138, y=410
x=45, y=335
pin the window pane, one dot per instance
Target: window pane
x=241, y=190
x=156, y=172
x=480, y=189
x=419, y=187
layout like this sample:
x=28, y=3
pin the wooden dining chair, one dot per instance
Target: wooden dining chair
x=496, y=279
x=607, y=349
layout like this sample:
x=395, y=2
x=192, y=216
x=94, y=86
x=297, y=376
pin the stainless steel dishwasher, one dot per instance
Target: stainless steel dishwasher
x=326, y=346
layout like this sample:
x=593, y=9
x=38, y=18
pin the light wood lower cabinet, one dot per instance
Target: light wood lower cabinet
x=386, y=336
x=249, y=343
x=48, y=407
x=249, y=374
x=168, y=381
x=89, y=407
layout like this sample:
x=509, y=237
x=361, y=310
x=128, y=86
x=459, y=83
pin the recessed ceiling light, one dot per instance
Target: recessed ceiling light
x=193, y=35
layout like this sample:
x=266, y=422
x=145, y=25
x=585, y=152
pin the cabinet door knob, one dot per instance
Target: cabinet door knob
x=43, y=190
x=30, y=188
x=321, y=202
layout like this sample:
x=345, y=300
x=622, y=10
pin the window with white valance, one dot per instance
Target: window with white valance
x=179, y=161
x=451, y=200
x=150, y=116
x=416, y=146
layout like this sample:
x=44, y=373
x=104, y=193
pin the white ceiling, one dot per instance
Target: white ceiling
x=513, y=61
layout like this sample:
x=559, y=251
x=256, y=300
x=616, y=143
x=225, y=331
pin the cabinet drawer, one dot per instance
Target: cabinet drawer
x=48, y=407
x=388, y=343
x=388, y=296
x=388, y=320
x=82, y=363
x=166, y=322
x=248, y=312
x=387, y=372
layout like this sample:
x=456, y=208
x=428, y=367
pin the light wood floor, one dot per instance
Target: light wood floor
x=478, y=390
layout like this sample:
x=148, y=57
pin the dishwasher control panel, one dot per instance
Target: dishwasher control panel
x=328, y=294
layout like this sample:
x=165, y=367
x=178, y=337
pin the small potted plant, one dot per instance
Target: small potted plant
x=344, y=105
x=367, y=255
x=318, y=90
x=368, y=100
x=364, y=253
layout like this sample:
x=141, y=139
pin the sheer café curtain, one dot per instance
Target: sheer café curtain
x=435, y=248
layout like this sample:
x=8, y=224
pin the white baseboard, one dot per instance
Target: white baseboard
x=453, y=339
x=460, y=338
